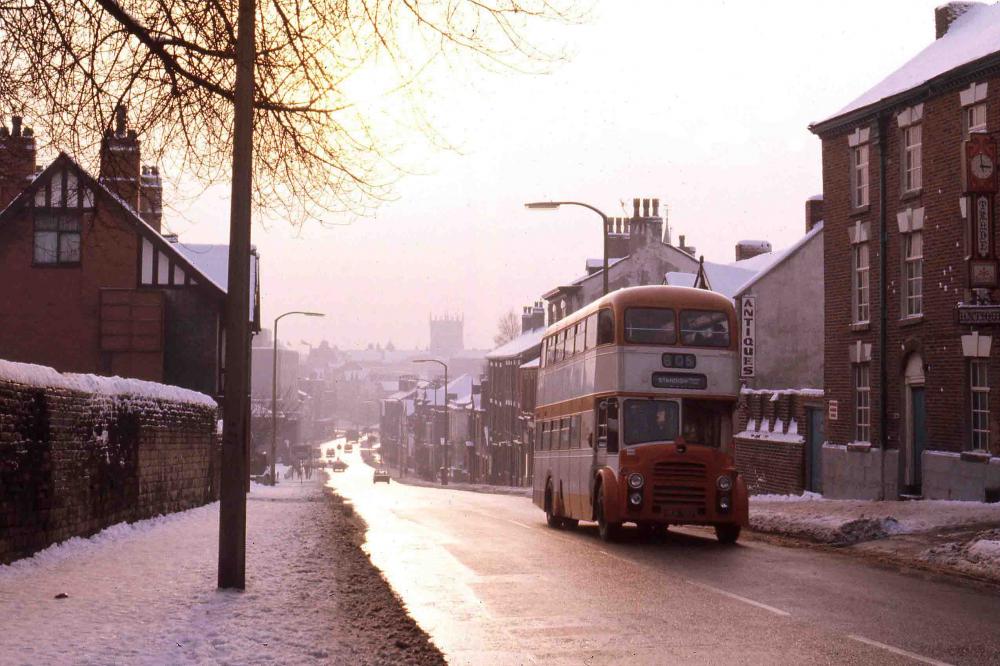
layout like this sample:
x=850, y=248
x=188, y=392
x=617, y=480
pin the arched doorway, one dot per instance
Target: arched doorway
x=915, y=432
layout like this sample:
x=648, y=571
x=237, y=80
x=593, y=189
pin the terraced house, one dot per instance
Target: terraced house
x=911, y=282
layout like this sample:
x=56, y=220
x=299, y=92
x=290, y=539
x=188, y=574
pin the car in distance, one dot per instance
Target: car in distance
x=381, y=474
x=348, y=447
x=339, y=465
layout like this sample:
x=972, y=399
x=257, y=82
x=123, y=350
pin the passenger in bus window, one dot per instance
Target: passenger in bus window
x=703, y=422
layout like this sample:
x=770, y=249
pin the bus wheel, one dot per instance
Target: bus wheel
x=727, y=533
x=608, y=531
x=553, y=521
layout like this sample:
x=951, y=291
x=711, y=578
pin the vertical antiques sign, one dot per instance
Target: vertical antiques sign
x=748, y=335
x=979, y=179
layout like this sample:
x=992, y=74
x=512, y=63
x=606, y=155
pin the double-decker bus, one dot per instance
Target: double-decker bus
x=634, y=423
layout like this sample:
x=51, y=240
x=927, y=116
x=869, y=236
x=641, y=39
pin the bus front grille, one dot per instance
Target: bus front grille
x=692, y=497
x=673, y=472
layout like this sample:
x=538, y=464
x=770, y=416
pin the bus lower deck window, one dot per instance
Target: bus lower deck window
x=703, y=422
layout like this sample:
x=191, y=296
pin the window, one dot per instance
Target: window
x=581, y=336
x=980, y=390
x=704, y=328
x=703, y=421
x=650, y=421
x=862, y=403
x=560, y=345
x=605, y=327
x=860, y=282
x=974, y=119
x=57, y=239
x=607, y=425
x=912, y=145
x=563, y=434
x=913, y=274
x=650, y=326
x=574, y=431
x=592, y=331
x=859, y=176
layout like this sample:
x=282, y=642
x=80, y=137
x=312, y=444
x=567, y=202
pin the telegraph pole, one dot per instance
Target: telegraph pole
x=233, y=501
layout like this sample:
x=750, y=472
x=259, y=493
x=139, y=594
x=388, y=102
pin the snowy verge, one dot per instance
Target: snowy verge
x=978, y=556
x=42, y=376
x=468, y=487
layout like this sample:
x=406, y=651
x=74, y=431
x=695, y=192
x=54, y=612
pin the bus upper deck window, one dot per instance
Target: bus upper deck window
x=650, y=326
x=605, y=327
x=704, y=328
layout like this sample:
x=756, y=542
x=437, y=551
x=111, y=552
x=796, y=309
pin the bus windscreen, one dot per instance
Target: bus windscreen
x=650, y=326
x=650, y=421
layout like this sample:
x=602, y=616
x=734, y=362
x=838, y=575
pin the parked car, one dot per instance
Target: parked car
x=348, y=447
x=381, y=474
x=339, y=465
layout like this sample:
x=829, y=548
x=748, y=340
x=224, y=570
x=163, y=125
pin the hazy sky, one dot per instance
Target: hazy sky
x=704, y=105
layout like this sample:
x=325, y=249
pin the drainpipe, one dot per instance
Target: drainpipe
x=883, y=242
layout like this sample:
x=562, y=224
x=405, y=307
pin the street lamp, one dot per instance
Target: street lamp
x=274, y=391
x=552, y=205
x=447, y=423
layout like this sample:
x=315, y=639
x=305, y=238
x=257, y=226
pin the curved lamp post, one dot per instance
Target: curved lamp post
x=552, y=205
x=447, y=421
x=274, y=391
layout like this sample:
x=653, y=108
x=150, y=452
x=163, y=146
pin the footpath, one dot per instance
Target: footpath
x=146, y=592
x=958, y=538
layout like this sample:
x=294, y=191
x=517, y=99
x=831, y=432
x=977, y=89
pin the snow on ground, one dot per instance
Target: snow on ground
x=979, y=556
x=146, y=593
x=850, y=521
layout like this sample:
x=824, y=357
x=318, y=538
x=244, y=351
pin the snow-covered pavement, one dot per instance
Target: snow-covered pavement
x=146, y=593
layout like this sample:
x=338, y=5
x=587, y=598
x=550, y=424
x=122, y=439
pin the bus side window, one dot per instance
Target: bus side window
x=574, y=431
x=607, y=425
x=564, y=434
x=605, y=327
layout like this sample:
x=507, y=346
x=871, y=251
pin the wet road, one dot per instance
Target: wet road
x=491, y=584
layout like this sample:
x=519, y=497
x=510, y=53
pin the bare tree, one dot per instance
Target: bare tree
x=66, y=64
x=508, y=328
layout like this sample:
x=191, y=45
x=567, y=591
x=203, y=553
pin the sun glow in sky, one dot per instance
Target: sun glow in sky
x=704, y=105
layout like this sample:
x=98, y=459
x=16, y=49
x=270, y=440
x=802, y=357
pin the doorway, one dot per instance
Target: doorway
x=814, y=450
x=916, y=431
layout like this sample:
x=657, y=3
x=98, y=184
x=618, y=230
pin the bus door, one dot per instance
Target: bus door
x=606, y=447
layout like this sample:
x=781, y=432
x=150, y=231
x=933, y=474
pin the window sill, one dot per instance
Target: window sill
x=859, y=447
x=56, y=265
x=859, y=210
x=911, y=194
x=911, y=320
x=860, y=326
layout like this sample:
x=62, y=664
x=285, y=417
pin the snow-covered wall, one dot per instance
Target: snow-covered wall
x=81, y=452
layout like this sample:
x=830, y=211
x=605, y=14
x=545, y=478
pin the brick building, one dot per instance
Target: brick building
x=90, y=283
x=907, y=386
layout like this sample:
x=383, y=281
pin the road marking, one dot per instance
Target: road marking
x=770, y=609
x=896, y=650
x=527, y=527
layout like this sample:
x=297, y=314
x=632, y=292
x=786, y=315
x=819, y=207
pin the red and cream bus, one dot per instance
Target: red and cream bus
x=634, y=423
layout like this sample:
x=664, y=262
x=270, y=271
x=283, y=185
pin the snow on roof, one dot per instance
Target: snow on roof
x=721, y=278
x=45, y=377
x=518, y=345
x=973, y=35
x=781, y=256
x=533, y=363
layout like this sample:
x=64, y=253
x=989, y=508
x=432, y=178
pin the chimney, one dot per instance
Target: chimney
x=17, y=160
x=751, y=248
x=684, y=247
x=814, y=211
x=151, y=197
x=945, y=15
x=533, y=317
x=120, y=160
x=635, y=208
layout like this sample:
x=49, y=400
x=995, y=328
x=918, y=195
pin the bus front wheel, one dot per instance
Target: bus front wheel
x=608, y=531
x=727, y=533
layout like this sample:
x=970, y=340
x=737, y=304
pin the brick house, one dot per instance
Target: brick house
x=90, y=283
x=907, y=386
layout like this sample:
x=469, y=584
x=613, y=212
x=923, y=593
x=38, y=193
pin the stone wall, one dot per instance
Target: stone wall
x=79, y=453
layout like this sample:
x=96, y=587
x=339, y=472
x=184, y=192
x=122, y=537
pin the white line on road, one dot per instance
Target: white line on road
x=770, y=609
x=527, y=527
x=896, y=650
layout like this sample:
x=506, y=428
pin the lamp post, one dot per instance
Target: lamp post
x=274, y=391
x=552, y=205
x=447, y=423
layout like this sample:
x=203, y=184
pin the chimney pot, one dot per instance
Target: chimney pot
x=15, y=125
x=682, y=241
x=120, y=120
x=645, y=207
x=635, y=208
x=656, y=207
x=814, y=211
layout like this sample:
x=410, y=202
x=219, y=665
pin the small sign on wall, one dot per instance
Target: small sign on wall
x=831, y=410
x=748, y=335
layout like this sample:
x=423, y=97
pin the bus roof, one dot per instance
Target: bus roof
x=650, y=296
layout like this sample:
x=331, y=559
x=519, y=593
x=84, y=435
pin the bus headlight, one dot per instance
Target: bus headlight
x=635, y=480
x=635, y=499
x=724, y=483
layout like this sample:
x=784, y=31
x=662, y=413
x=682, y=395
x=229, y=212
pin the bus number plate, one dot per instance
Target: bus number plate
x=679, y=380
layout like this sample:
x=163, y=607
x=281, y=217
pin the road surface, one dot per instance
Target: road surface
x=492, y=584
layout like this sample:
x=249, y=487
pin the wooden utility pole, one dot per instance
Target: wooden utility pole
x=233, y=504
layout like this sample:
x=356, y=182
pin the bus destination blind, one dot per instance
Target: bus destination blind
x=679, y=380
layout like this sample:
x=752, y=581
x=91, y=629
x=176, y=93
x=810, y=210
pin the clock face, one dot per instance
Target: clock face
x=982, y=166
